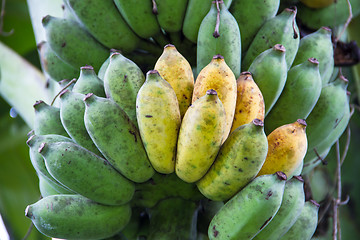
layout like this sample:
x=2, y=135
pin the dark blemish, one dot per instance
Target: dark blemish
x=152, y=182
x=240, y=170
x=269, y=194
x=245, y=158
x=226, y=183
x=63, y=44
x=148, y=116
x=216, y=232
x=265, y=223
x=252, y=161
x=105, y=163
x=125, y=78
x=62, y=154
x=134, y=134
x=69, y=162
x=293, y=131
x=185, y=96
x=240, y=111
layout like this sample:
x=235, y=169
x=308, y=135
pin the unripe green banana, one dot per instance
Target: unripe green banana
x=195, y=12
x=237, y=163
x=86, y=173
x=158, y=116
x=56, y=68
x=281, y=29
x=67, y=83
x=201, y=133
x=269, y=71
x=102, y=70
x=117, y=138
x=306, y=223
x=48, y=188
x=170, y=14
x=88, y=82
x=250, y=210
x=318, y=45
x=73, y=44
x=133, y=227
x=76, y=217
x=290, y=209
x=122, y=81
x=72, y=110
x=299, y=96
x=173, y=218
x=251, y=15
x=219, y=34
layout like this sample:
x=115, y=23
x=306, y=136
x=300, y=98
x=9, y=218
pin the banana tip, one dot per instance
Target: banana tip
x=87, y=67
x=315, y=203
x=302, y=122
x=64, y=92
x=41, y=148
x=153, y=72
x=218, y=56
x=169, y=46
x=280, y=48
x=28, y=213
x=299, y=178
x=314, y=61
x=258, y=122
x=211, y=92
x=281, y=176
x=87, y=96
x=29, y=141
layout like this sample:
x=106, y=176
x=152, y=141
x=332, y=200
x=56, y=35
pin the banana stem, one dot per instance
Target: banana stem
x=216, y=33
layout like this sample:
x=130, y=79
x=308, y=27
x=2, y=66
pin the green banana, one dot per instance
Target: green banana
x=196, y=10
x=132, y=228
x=102, y=70
x=269, y=71
x=219, y=34
x=72, y=109
x=299, y=96
x=88, y=82
x=67, y=83
x=318, y=45
x=76, y=217
x=48, y=188
x=56, y=68
x=173, y=218
x=122, y=81
x=250, y=210
x=117, y=138
x=237, y=163
x=290, y=209
x=251, y=15
x=86, y=173
x=170, y=14
x=281, y=29
x=306, y=223
x=67, y=13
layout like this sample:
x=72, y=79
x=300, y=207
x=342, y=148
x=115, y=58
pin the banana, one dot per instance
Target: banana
x=269, y=71
x=249, y=101
x=48, y=188
x=72, y=109
x=317, y=3
x=86, y=173
x=218, y=76
x=67, y=83
x=170, y=14
x=175, y=69
x=158, y=116
x=122, y=81
x=281, y=29
x=76, y=217
x=56, y=68
x=219, y=34
x=195, y=12
x=290, y=209
x=117, y=138
x=237, y=163
x=287, y=148
x=173, y=218
x=207, y=210
x=251, y=15
x=305, y=225
x=250, y=210
x=299, y=96
x=318, y=45
x=88, y=82
x=201, y=133
x=72, y=43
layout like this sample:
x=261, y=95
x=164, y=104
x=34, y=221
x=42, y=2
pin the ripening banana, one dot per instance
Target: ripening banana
x=269, y=71
x=281, y=29
x=76, y=217
x=219, y=34
x=170, y=14
x=287, y=148
x=251, y=15
x=158, y=117
x=290, y=209
x=200, y=137
x=306, y=223
x=117, y=138
x=73, y=44
x=122, y=81
x=249, y=101
x=218, y=76
x=175, y=69
x=237, y=163
x=318, y=45
x=299, y=96
x=250, y=210
x=88, y=82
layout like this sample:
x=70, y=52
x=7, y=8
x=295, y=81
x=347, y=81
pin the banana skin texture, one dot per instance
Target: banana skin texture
x=200, y=137
x=88, y=82
x=86, y=173
x=170, y=14
x=237, y=163
x=117, y=138
x=158, y=116
x=63, y=216
x=175, y=69
x=250, y=210
x=218, y=76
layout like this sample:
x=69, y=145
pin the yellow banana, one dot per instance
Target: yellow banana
x=287, y=148
x=249, y=101
x=175, y=69
x=218, y=76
